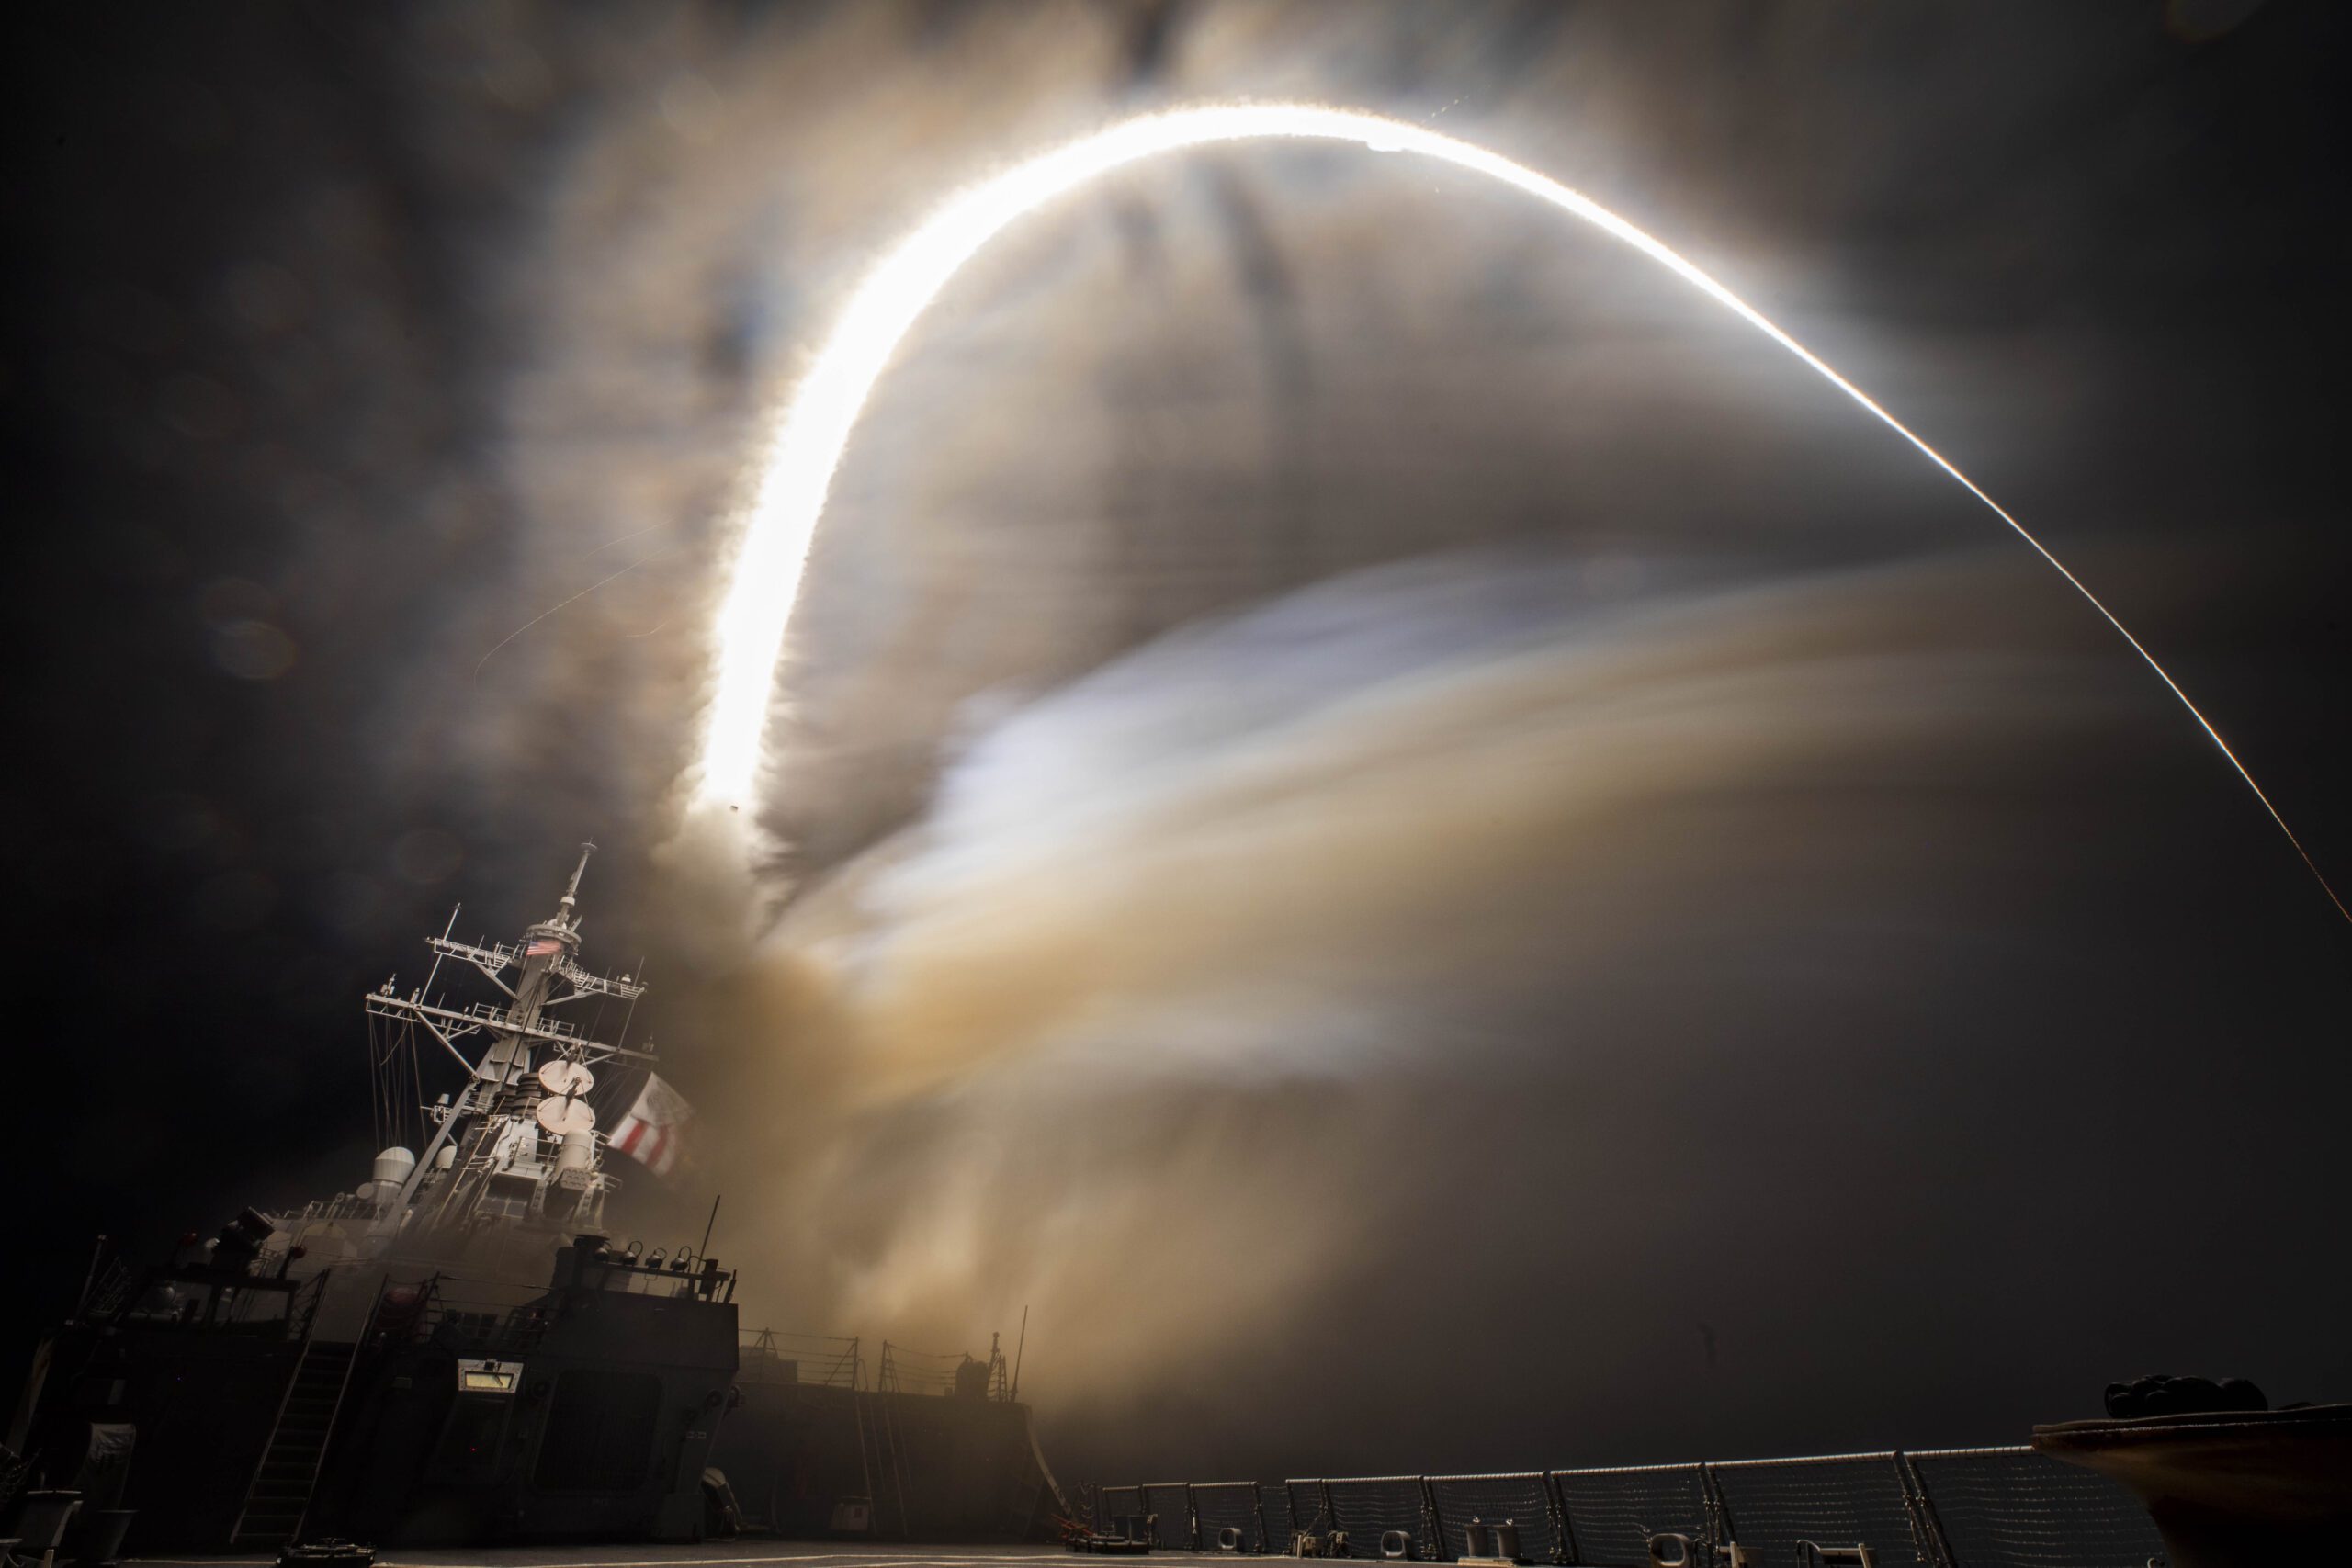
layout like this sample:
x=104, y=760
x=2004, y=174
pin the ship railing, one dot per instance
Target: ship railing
x=499, y=1018
x=639, y=1277
x=196, y=1298
x=495, y=958
x=302, y=1311
x=902, y=1370
x=830, y=1361
x=319, y=1211
x=277, y=1261
x=469, y=1317
x=342, y=1206
x=109, y=1290
x=488, y=955
x=1993, y=1507
x=586, y=982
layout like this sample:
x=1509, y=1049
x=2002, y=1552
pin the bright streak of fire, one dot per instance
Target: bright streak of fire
x=806, y=446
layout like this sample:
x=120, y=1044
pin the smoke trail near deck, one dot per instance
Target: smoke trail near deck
x=1346, y=929
x=814, y=429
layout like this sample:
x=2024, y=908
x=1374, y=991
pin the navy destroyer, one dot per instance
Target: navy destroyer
x=458, y=1350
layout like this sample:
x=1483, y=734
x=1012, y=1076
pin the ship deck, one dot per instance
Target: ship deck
x=709, y=1554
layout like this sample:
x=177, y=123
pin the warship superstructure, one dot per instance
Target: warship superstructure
x=455, y=1349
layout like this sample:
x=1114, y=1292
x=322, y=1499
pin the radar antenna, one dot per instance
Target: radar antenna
x=486, y=1162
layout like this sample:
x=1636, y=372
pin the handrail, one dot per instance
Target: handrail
x=1711, y=1527
x=285, y=1397
x=842, y=1360
x=342, y=1392
x=315, y=1291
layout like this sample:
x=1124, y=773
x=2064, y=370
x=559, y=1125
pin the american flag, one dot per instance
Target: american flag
x=654, y=1129
x=541, y=946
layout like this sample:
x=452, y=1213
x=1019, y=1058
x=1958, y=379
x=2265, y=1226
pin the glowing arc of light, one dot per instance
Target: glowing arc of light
x=806, y=446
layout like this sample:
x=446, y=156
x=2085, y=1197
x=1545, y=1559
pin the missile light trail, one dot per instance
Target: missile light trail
x=815, y=426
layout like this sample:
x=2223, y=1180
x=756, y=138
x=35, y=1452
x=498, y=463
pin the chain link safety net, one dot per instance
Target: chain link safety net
x=1114, y=1506
x=1231, y=1505
x=1852, y=1500
x=1306, y=1509
x=1273, y=1501
x=1614, y=1512
x=1171, y=1510
x=2006, y=1507
x=1522, y=1500
x=2017, y=1508
x=1370, y=1509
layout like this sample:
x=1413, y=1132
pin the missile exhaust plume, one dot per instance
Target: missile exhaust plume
x=1412, y=928
x=813, y=429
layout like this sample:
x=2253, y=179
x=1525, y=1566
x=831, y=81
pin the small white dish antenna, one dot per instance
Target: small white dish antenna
x=566, y=1077
x=565, y=1116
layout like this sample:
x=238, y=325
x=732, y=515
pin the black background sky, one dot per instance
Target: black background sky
x=339, y=345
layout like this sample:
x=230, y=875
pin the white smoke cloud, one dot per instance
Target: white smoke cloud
x=1126, y=1027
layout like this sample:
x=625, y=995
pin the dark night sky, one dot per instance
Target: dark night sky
x=1971, y=1048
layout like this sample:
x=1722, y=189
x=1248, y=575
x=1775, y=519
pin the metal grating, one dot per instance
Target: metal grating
x=1367, y=1509
x=1231, y=1505
x=1523, y=1500
x=1771, y=1505
x=1171, y=1507
x=2017, y=1508
x=1614, y=1512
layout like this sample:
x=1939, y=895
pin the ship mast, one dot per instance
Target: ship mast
x=489, y=1160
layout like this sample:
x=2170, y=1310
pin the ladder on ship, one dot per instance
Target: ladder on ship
x=878, y=1442
x=279, y=1495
